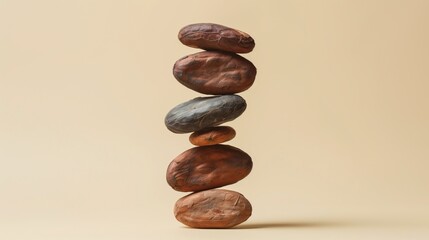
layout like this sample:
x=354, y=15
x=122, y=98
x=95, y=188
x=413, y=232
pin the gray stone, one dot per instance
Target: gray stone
x=203, y=112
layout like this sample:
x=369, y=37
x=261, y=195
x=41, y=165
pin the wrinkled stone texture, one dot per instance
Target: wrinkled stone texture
x=216, y=73
x=208, y=167
x=212, y=136
x=203, y=112
x=216, y=208
x=211, y=36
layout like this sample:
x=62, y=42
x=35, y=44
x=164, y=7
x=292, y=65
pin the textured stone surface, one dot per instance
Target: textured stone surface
x=216, y=208
x=212, y=136
x=211, y=36
x=207, y=167
x=203, y=112
x=217, y=73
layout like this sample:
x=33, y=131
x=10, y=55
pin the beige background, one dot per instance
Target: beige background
x=337, y=120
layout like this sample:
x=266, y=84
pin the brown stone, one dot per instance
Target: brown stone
x=216, y=73
x=216, y=208
x=207, y=167
x=211, y=36
x=212, y=136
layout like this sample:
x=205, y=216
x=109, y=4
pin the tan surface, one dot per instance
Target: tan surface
x=337, y=120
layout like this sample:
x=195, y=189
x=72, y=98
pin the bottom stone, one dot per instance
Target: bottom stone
x=214, y=208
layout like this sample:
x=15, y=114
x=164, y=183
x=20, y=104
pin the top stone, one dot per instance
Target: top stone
x=210, y=36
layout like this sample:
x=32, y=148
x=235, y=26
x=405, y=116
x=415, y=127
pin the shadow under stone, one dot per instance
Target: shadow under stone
x=294, y=224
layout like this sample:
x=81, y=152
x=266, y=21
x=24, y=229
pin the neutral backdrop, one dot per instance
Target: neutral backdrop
x=337, y=121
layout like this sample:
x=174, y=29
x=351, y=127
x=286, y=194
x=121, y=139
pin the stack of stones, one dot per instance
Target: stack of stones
x=221, y=72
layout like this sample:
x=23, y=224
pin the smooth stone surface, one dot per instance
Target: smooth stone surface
x=216, y=208
x=202, y=168
x=216, y=73
x=204, y=112
x=212, y=136
x=212, y=36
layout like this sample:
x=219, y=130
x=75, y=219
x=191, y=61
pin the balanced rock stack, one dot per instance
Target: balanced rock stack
x=216, y=71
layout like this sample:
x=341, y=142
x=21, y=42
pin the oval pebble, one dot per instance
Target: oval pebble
x=216, y=73
x=207, y=167
x=212, y=36
x=216, y=208
x=204, y=112
x=212, y=136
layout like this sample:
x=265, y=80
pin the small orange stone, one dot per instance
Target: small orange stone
x=212, y=136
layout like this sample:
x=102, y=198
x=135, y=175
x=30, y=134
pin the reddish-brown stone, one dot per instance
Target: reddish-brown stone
x=216, y=208
x=207, y=167
x=212, y=136
x=211, y=36
x=216, y=73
